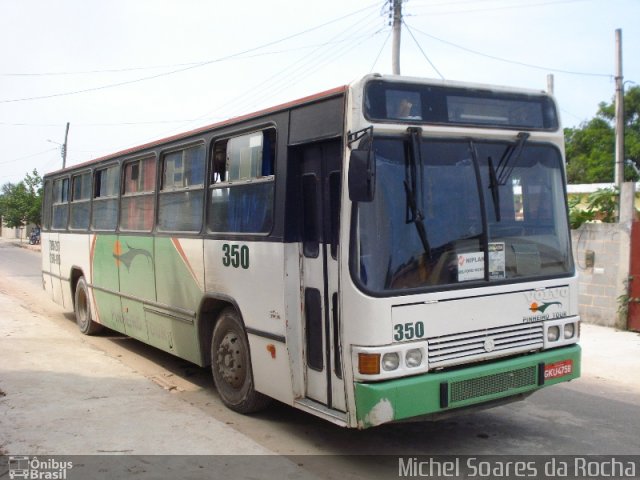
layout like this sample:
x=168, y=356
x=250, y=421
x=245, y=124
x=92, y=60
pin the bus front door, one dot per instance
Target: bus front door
x=320, y=192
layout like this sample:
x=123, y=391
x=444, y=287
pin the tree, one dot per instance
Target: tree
x=589, y=150
x=33, y=183
x=591, y=146
x=20, y=203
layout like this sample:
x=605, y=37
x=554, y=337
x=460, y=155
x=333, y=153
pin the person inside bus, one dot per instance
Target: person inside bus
x=404, y=110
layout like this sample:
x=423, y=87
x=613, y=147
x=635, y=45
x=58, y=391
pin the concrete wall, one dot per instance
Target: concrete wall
x=11, y=233
x=601, y=284
x=15, y=233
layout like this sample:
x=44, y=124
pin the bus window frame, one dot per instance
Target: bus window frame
x=63, y=201
x=153, y=193
x=98, y=168
x=211, y=185
x=47, y=201
x=72, y=201
x=160, y=190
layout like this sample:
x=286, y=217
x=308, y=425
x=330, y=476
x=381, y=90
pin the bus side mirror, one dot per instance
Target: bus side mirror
x=362, y=175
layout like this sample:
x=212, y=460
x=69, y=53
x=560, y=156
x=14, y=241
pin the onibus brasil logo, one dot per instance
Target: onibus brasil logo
x=34, y=468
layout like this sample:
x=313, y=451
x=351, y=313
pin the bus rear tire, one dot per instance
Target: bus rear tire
x=231, y=365
x=82, y=309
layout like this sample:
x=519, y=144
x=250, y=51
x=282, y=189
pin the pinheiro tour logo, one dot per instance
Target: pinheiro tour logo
x=38, y=468
x=541, y=307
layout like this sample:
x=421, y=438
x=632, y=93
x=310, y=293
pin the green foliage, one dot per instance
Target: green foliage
x=625, y=299
x=604, y=202
x=578, y=216
x=601, y=205
x=591, y=146
x=20, y=203
x=589, y=151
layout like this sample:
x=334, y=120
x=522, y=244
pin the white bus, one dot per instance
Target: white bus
x=394, y=249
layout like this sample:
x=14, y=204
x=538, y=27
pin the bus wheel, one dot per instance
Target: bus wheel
x=231, y=365
x=83, y=311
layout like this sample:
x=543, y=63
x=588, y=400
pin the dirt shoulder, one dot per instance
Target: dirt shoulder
x=62, y=395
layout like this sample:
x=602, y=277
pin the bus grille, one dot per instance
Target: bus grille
x=484, y=344
x=493, y=384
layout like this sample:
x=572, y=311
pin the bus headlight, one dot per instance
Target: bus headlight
x=390, y=361
x=569, y=330
x=561, y=332
x=384, y=362
x=553, y=333
x=413, y=358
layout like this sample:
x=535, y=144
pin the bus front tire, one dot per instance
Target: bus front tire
x=82, y=310
x=231, y=365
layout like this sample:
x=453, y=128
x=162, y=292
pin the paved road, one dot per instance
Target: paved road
x=598, y=414
x=20, y=263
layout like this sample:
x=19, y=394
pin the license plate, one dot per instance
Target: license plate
x=558, y=369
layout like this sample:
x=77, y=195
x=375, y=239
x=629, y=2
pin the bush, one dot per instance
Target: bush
x=601, y=205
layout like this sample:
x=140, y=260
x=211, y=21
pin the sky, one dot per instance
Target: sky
x=126, y=72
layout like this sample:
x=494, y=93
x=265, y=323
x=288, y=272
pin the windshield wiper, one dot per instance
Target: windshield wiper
x=498, y=175
x=495, y=192
x=413, y=212
x=510, y=158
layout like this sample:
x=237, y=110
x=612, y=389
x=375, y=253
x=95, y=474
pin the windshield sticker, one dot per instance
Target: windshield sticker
x=470, y=266
x=496, y=261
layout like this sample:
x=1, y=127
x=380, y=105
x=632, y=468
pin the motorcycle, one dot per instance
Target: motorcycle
x=34, y=237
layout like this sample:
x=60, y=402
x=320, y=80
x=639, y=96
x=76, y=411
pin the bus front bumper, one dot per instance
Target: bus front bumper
x=431, y=393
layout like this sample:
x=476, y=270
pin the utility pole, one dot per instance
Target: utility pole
x=619, y=105
x=397, y=28
x=64, y=147
x=550, y=84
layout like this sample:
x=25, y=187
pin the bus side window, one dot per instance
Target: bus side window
x=80, y=201
x=180, y=201
x=46, y=211
x=105, y=198
x=137, y=210
x=60, y=204
x=219, y=162
x=242, y=183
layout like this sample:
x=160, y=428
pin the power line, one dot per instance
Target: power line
x=88, y=72
x=319, y=57
x=13, y=124
x=314, y=67
x=103, y=124
x=293, y=72
x=384, y=44
x=186, y=121
x=274, y=82
x=490, y=9
x=156, y=67
x=29, y=156
x=188, y=67
x=515, y=62
x=423, y=53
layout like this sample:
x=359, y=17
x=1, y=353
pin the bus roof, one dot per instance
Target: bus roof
x=184, y=135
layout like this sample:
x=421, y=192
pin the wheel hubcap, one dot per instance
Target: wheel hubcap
x=229, y=360
x=82, y=308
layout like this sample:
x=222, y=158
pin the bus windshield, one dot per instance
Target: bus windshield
x=454, y=213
